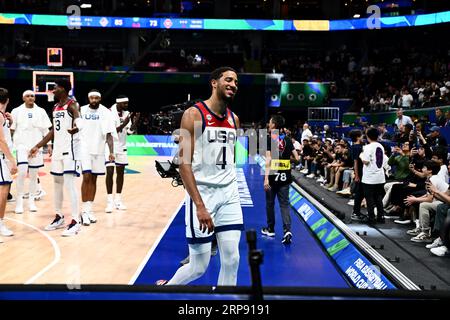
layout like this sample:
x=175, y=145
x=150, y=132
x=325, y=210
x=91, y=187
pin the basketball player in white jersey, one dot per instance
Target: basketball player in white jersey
x=30, y=124
x=123, y=123
x=208, y=136
x=98, y=130
x=66, y=156
x=6, y=169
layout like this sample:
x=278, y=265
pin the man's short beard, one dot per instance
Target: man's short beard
x=227, y=100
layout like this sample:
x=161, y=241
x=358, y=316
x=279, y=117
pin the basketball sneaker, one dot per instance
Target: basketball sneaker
x=268, y=232
x=287, y=238
x=120, y=205
x=85, y=219
x=4, y=231
x=440, y=251
x=10, y=198
x=436, y=243
x=92, y=217
x=19, y=205
x=72, y=229
x=32, y=205
x=39, y=195
x=57, y=223
x=109, y=207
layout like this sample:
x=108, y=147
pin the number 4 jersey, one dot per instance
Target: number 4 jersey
x=281, y=148
x=65, y=145
x=213, y=160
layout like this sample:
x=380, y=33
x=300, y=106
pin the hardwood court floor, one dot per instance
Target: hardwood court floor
x=107, y=252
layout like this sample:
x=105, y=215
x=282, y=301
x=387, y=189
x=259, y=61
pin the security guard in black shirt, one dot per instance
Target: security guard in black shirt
x=278, y=177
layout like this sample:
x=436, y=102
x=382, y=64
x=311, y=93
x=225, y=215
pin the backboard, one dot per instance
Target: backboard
x=44, y=82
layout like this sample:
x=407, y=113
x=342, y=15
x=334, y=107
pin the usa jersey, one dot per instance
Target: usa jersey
x=6, y=132
x=97, y=123
x=120, y=142
x=213, y=159
x=64, y=144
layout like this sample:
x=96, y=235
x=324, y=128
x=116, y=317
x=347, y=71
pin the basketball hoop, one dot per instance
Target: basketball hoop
x=50, y=96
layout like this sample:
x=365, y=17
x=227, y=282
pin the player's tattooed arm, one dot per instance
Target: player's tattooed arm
x=74, y=110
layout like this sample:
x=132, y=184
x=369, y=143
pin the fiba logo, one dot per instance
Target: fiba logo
x=274, y=97
x=208, y=117
x=312, y=97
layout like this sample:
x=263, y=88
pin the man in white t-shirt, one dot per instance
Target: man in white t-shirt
x=122, y=121
x=30, y=124
x=402, y=119
x=306, y=134
x=297, y=145
x=98, y=130
x=406, y=99
x=428, y=204
x=439, y=157
x=374, y=160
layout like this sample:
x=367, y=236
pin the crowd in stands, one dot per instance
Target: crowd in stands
x=377, y=81
x=404, y=175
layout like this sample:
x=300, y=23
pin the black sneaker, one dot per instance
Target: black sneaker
x=287, y=238
x=268, y=232
x=371, y=220
x=381, y=220
x=10, y=198
x=358, y=217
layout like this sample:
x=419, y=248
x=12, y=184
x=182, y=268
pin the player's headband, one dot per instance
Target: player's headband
x=94, y=94
x=28, y=93
x=119, y=100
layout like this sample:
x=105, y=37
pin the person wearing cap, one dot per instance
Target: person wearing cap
x=30, y=124
x=435, y=140
x=98, y=130
x=125, y=123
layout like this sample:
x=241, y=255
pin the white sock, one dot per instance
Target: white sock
x=59, y=194
x=228, y=243
x=33, y=173
x=199, y=256
x=70, y=185
x=85, y=207
x=22, y=174
x=118, y=197
x=89, y=206
x=110, y=197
